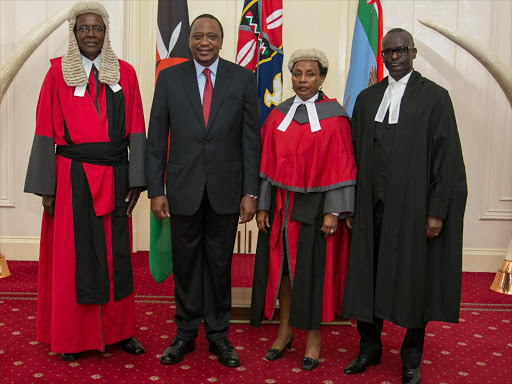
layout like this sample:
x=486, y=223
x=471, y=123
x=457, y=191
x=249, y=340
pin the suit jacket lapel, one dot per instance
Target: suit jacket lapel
x=222, y=80
x=192, y=90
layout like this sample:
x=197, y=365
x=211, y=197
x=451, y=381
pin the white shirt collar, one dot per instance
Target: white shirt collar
x=200, y=68
x=314, y=122
x=80, y=90
x=392, y=99
x=403, y=80
x=88, y=64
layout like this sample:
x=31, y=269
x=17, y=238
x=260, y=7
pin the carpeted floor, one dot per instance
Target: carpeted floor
x=477, y=350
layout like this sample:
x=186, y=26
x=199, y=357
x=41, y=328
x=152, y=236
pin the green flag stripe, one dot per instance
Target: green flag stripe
x=160, y=250
x=370, y=21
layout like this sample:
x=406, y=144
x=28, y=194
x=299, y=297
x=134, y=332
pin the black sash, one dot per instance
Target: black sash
x=91, y=268
x=105, y=153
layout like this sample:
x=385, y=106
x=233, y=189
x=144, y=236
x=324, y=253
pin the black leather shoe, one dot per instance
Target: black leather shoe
x=360, y=363
x=177, y=351
x=225, y=352
x=411, y=376
x=309, y=364
x=274, y=354
x=132, y=346
x=70, y=356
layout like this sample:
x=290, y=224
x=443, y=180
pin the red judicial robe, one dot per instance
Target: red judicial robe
x=83, y=307
x=301, y=166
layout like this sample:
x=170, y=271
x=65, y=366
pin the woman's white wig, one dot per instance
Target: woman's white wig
x=308, y=54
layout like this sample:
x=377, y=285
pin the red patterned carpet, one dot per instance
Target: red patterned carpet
x=477, y=350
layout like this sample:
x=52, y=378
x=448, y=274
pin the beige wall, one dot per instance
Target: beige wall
x=483, y=114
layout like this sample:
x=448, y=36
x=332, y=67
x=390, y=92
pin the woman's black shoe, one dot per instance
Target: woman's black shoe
x=274, y=354
x=69, y=356
x=132, y=346
x=309, y=364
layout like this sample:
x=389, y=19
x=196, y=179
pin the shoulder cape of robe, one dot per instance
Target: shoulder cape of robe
x=302, y=161
x=301, y=166
x=86, y=305
x=418, y=280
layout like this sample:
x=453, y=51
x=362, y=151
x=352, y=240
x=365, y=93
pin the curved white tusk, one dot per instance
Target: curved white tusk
x=498, y=70
x=25, y=49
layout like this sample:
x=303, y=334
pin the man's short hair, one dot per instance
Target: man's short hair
x=397, y=30
x=208, y=16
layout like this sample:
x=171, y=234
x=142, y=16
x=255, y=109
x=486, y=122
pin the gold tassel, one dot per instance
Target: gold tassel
x=503, y=280
x=4, y=270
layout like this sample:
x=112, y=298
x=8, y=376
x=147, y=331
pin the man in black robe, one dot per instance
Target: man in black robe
x=405, y=259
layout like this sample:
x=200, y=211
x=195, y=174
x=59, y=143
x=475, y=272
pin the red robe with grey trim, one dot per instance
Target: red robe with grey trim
x=62, y=119
x=301, y=164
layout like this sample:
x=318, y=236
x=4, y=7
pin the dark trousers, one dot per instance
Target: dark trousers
x=370, y=344
x=202, y=249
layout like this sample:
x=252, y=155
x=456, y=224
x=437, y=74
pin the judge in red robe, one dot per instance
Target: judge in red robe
x=308, y=176
x=89, y=112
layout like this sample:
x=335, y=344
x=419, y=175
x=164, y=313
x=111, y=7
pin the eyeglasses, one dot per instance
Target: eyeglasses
x=96, y=29
x=400, y=51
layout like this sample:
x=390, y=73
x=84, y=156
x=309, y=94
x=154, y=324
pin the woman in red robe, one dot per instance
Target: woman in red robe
x=305, y=207
x=89, y=112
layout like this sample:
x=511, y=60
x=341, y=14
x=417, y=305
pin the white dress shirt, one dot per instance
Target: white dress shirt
x=392, y=99
x=201, y=78
x=80, y=90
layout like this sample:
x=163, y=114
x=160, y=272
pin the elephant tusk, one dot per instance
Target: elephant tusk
x=497, y=69
x=16, y=60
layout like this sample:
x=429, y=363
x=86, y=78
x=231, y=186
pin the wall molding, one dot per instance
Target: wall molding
x=7, y=111
x=20, y=248
x=474, y=259
x=495, y=204
x=482, y=260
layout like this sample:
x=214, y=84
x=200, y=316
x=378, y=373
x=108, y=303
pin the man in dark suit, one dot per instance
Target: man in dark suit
x=405, y=261
x=209, y=108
